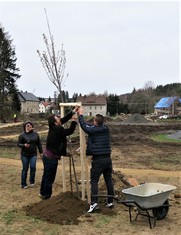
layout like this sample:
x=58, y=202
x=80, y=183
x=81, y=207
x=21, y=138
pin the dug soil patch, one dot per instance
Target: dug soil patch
x=68, y=208
x=62, y=209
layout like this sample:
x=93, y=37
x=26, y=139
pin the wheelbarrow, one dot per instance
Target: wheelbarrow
x=145, y=197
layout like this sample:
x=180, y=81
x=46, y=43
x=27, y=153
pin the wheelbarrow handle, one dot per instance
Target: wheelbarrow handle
x=125, y=202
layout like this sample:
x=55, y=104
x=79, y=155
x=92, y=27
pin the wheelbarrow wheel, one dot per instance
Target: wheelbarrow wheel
x=161, y=212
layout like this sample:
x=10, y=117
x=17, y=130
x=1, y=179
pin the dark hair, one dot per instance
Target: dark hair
x=51, y=120
x=27, y=122
x=99, y=119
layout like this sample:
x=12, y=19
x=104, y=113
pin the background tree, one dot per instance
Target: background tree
x=173, y=89
x=9, y=73
x=123, y=108
x=53, y=62
x=113, y=104
x=138, y=102
x=16, y=104
x=74, y=97
x=65, y=96
x=149, y=88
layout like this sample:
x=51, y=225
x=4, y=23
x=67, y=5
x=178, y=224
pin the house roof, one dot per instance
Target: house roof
x=165, y=102
x=45, y=103
x=92, y=100
x=26, y=96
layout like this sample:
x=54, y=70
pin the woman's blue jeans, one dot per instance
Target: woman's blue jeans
x=26, y=163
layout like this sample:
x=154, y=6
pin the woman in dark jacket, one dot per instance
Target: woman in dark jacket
x=29, y=141
x=55, y=148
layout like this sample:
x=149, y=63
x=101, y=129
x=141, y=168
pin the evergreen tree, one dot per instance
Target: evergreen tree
x=74, y=97
x=16, y=104
x=113, y=104
x=9, y=73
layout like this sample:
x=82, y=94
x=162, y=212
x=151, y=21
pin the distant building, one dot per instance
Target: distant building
x=29, y=102
x=50, y=106
x=168, y=105
x=44, y=107
x=93, y=104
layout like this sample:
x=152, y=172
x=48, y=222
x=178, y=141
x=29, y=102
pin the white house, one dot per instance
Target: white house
x=93, y=104
x=44, y=107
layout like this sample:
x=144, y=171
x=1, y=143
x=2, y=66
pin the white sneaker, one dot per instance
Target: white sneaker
x=41, y=196
x=93, y=207
x=110, y=205
x=24, y=187
x=32, y=185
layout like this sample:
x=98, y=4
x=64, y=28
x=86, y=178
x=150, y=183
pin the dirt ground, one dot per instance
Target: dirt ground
x=137, y=158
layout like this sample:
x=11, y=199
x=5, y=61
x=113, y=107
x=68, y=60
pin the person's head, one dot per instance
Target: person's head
x=28, y=126
x=98, y=120
x=54, y=120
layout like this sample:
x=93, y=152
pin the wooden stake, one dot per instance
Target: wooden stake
x=84, y=161
x=63, y=160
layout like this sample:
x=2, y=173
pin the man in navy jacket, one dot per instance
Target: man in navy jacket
x=98, y=146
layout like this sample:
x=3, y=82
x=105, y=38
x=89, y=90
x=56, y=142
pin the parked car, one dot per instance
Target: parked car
x=168, y=116
x=165, y=116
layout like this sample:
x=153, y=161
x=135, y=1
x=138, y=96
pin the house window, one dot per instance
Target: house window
x=90, y=107
x=101, y=107
x=95, y=107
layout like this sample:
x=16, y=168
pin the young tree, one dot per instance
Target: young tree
x=9, y=73
x=53, y=63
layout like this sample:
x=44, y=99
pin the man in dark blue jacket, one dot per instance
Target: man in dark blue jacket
x=98, y=146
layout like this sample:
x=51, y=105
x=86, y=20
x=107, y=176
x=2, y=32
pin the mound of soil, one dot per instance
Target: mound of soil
x=64, y=208
x=68, y=208
x=136, y=118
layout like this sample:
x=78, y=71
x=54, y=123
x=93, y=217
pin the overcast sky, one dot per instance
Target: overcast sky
x=111, y=46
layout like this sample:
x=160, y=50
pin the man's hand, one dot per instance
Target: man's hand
x=80, y=111
x=27, y=145
x=76, y=108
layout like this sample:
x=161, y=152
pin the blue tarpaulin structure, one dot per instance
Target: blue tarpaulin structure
x=166, y=102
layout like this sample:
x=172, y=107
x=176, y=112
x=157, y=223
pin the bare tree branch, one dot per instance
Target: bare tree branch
x=53, y=62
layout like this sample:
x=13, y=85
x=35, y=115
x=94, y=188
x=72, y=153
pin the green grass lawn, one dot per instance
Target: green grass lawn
x=164, y=138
